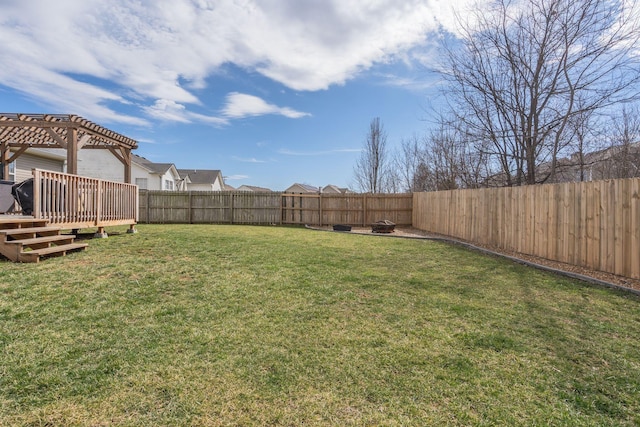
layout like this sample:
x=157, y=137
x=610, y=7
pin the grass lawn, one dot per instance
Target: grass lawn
x=231, y=325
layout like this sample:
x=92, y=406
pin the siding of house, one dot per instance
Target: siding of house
x=26, y=162
x=301, y=188
x=100, y=164
x=154, y=180
x=138, y=172
x=215, y=186
x=203, y=187
x=168, y=181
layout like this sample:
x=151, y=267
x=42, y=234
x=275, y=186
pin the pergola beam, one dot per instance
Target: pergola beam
x=57, y=138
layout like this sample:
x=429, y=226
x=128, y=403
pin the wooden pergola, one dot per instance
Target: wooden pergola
x=66, y=131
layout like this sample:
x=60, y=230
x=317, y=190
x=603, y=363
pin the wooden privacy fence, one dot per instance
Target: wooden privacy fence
x=590, y=224
x=241, y=207
x=350, y=209
x=206, y=207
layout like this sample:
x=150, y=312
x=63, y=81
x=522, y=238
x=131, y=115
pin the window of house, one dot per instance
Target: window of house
x=12, y=172
x=142, y=183
x=168, y=184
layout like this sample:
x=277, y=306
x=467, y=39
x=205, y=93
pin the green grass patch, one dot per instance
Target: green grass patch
x=231, y=325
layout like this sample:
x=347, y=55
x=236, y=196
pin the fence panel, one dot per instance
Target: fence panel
x=350, y=209
x=273, y=208
x=208, y=207
x=256, y=208
x=590, y=224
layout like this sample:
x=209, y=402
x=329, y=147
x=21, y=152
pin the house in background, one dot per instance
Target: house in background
x=254, y=189
x=33, y=158
x=148, y=175
x=333, y=189
x=201, y=180
x=102, y=164
x=302, y=188
x=21, y=169
x=616, y=162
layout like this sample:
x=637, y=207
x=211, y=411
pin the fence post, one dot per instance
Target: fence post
x=148, y=207
x=233, y=196
x=364, y=210
x=283, y=203
x=320, y=210
x=190, y=209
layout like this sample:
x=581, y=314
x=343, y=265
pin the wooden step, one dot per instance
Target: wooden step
x=33, y=231
x=25, y=239
x=22, y=222
x=57, y=238
x=18, y=219
x=61, y=250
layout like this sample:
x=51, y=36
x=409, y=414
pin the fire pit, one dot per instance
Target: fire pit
x=384, y=226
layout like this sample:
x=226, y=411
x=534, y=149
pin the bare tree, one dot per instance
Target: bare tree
x=373, y=165
x=585, y=133
x=407, y=162
x=624, y=160
x=524, y=64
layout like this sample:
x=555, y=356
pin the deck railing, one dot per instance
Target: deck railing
x=74, y=201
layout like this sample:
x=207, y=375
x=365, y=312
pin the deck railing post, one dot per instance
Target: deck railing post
x=99, y=195
x=136, y=204
x=37, y=183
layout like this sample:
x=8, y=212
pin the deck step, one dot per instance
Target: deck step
x=21, y=222
x=30, y=230
x=29, y=239
x=44, y=239
x=61, y=250
x=16, y=219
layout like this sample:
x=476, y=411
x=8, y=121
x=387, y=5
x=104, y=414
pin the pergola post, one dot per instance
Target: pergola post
x=72, y=151
x=4, y=160
x=127, y=166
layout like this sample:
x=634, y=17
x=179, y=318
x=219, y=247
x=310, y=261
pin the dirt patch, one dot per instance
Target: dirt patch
x=625, y=282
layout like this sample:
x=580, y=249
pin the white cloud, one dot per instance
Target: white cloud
x=87, y=56
x=165, y=109
x=248, y=160
x=236, y=177
x=239, y=105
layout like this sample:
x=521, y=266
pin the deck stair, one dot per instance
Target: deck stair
x=24, y=239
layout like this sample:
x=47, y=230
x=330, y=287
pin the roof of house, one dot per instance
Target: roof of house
x=335, y=189
x=253, y=188
x=159, y=168
x=200, y=176
x=304, y=187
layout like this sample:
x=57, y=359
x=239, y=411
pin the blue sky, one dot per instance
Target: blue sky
x=271, y=92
